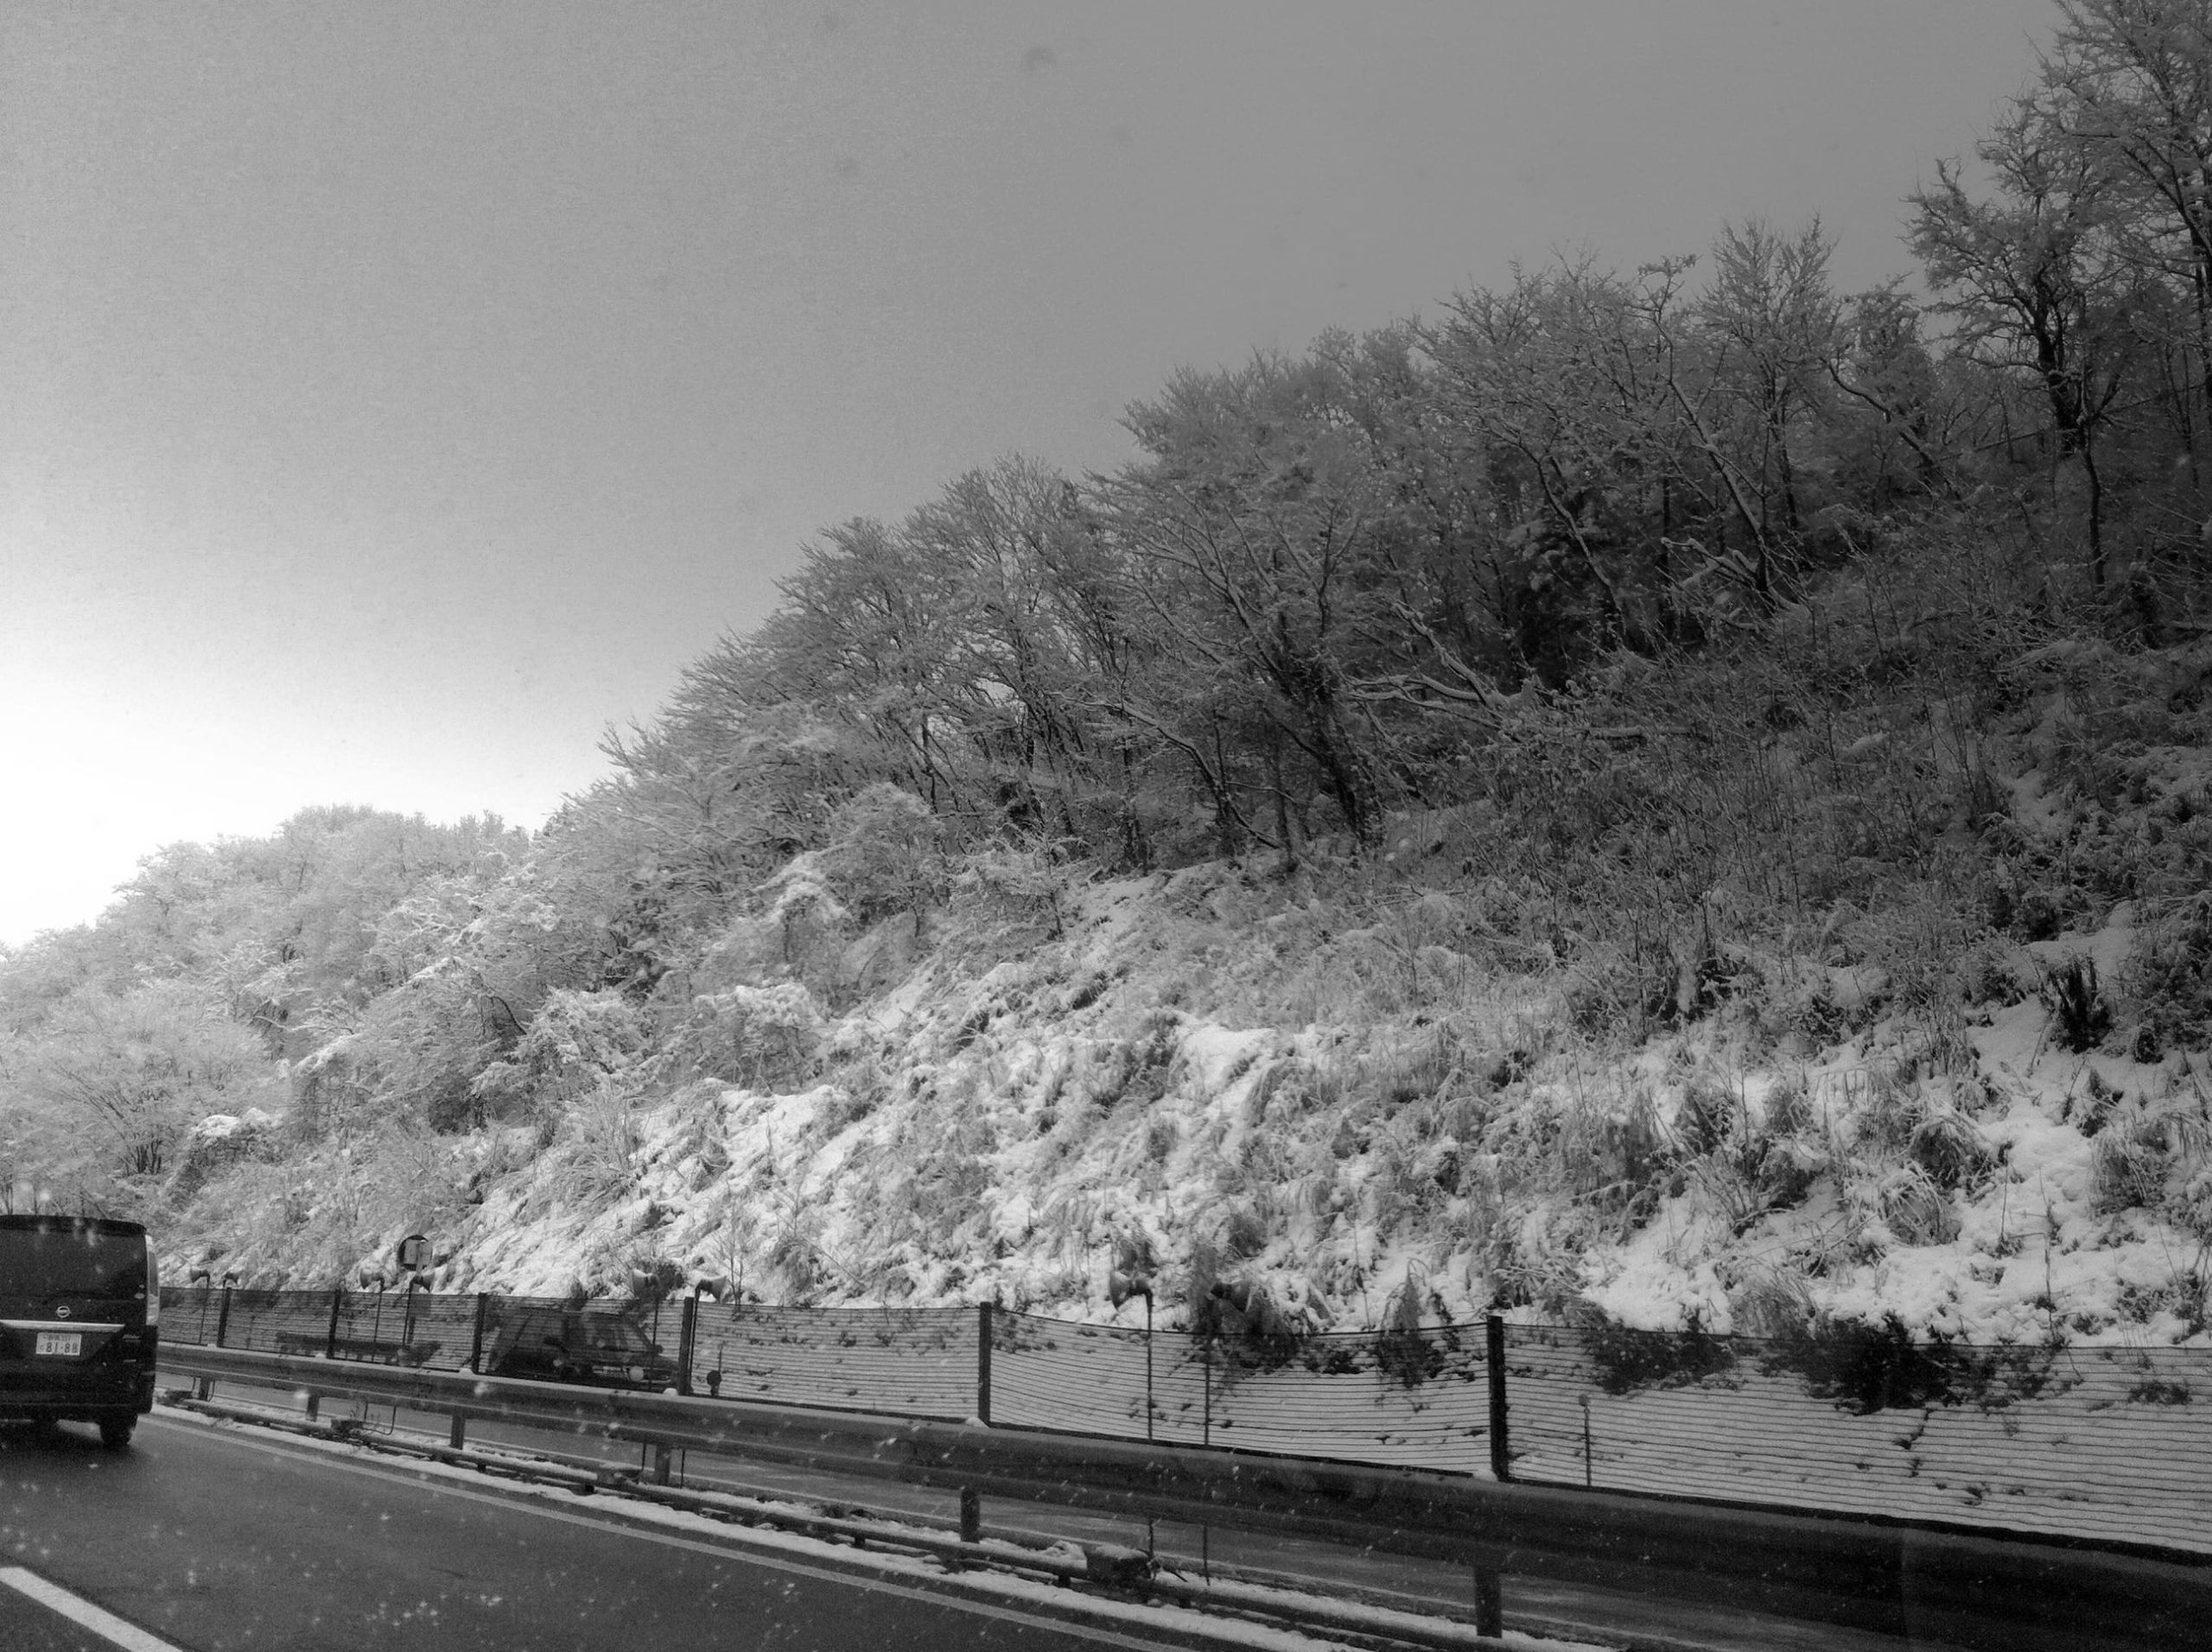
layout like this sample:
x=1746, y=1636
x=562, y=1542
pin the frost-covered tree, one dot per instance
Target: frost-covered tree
x=101, y=1096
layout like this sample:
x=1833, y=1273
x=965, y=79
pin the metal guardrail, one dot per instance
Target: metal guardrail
x=1887, y=1576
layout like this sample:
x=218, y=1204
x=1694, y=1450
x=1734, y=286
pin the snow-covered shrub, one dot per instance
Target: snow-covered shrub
x=1407, y=1064
x=2127, y=1165
x=1914, y=1207
x=1864, y=1368
x=1402, y=1351
x=1137, y=1069
x=763, y=1037
x=1292, y=1088
x=800, y=929
x=1021, y=883
x=946, y=1192
x=792, y=1254
x=1535, y=1252
x=1946, y=1145
x=884, y=854
x=1253, y=1329
x=2081, y=1017
x=1243, y=1232
x=593, y=1158
x=1628, y=1359
x=575, y=1039
x=1770, y=1301
x=2167, y=979
x=1704, y=1119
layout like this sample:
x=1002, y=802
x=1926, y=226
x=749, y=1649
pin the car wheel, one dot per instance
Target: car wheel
x=114, y=1432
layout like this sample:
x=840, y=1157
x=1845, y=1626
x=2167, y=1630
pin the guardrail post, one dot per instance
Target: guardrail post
x=201, y=1387
x=1490, y=1605
x=686, y=1340
x=971, y=1500
x=223, y=1317
x=330, y=1337
x=983, y=1381
x=664, y=1456
x=457, y=1431
x=1501, y=1459
x=476, y=1344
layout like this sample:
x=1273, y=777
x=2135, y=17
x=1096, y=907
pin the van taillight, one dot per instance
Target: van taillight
x=153, y=1288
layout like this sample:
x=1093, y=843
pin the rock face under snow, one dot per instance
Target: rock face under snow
x=220, y=1141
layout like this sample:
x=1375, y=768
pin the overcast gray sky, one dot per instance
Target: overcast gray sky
x=392, y=395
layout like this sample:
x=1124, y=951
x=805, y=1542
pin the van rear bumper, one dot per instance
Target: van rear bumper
x=81, y=1396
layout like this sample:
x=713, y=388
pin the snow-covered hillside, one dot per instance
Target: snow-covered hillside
x=1312, y=1099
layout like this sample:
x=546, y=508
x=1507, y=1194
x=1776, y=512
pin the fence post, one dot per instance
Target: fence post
x=330, y=1339
x=476, y=1345
x=971, y=1500
x=1149, y=1407
x=686, y=1340
x=223, y=1317
x=982, y=1374
x=1501, y=1458
x=1205, y=1384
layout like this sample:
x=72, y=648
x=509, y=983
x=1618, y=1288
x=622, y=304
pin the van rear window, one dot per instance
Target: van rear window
x=71, y=1261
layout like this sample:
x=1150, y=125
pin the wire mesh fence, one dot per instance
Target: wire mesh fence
x=1410, y=1400
x=2113, y=1444
x=911, y=1361
x=2108, y=1443
x=271, y=1322
x=435, y=1332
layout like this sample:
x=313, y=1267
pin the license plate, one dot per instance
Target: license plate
x=68, y=1343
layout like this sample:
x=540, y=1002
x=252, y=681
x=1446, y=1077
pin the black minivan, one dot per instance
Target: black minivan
x=80, y=1309
x=555, y=1345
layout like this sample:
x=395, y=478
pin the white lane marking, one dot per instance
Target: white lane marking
x=82, y=1613
x=734, y=1550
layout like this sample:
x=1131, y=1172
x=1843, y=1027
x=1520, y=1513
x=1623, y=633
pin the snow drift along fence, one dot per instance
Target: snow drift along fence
x=2109, y=1444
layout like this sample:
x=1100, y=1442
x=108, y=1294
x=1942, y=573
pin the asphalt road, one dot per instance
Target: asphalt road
x=211, y=1539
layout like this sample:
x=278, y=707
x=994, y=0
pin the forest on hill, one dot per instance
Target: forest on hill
x=1664, y=790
